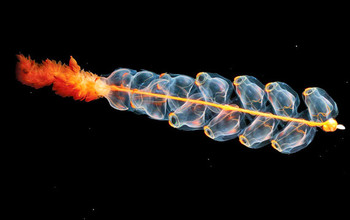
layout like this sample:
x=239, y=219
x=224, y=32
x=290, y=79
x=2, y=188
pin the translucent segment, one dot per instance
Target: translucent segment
x=294, y=137
x=190, y=115
x=141, y=81
x=179, y=86
x=122, y=78
x=320, y=105
x=163, y=82
x=156, y=107
x=258, y=133
x=251, y=92
x=225, y=126
x=214, y=89
x=284, y=99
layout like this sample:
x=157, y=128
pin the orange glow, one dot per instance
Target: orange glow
x=275, y=145
x=67, y=80
x=327, y=125
x=243, y=140
x=132, y=104
x=308, y=91
x=269, y=87
x=208, y=132
x=238, y=80
x=197, y=81
x=171, y=123
x=330, y=125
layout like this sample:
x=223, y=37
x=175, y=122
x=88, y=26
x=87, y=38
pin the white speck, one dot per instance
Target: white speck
x=93, y=209
x=341, y=127
x=346, y=82
x=296, y=45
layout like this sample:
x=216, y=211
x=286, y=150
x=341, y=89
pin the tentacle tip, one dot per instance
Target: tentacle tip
x=73, y=64
x=332, y=125
x=341, y=127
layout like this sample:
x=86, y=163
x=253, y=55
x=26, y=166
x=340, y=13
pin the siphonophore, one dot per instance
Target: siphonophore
x=257, y=115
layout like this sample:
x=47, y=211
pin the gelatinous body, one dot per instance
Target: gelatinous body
x=190, y=115
x=259, y=132
x=285, y=100
x=320, y=105
x=122, y=78
x=251, y=92
x=247, y=109
x=224, y=126
x=294, y=137
x=178, y=86
x=205, y=104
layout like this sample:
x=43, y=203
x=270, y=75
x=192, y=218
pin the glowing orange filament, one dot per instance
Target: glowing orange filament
x=330, y=125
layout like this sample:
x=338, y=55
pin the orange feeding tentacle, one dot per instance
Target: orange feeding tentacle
x=66, y=80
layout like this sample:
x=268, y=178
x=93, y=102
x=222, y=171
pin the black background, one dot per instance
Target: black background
x=77, y=160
